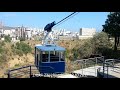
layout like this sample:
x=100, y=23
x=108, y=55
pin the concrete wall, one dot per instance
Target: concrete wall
x=85, y=37
x=87, y=31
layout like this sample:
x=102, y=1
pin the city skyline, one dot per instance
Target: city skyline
x=40, y=19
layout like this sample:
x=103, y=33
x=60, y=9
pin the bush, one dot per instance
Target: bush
x=21, y=48
x=7, y=38
x=17, y=65
x=22, y=39
x=2, y=43
x=3, y=58
x=99, y=44
x=2, y=46
x=1, y=49
x=75, y=53
x=86, y=49
x=67, y=53
x=19, y=52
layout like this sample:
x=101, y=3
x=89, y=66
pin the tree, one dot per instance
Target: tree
x=99, y=44
x=112, y=27
x=23, y=47
x=8, y=38
x=22, y=39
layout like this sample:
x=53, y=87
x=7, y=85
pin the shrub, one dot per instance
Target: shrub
x=22, y=39
x=21, y=48
x=2, y=43
x=67, y=53
x=7, y=38
x=99, y=44
x=86, y=49
x=17, y=65
x=1, y=49
x=19, y=52
x=3, y=58
x=75, y=53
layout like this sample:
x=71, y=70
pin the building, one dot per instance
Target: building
x=20, y=32
x=67, y=33
x=86, y=33
x=28, y=32
x=8, y=30
x=1, y=29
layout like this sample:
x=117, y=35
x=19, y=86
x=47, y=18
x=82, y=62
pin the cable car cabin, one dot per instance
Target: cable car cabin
x=50, y=58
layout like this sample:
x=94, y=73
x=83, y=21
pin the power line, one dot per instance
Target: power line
x=66, y=18
x=49, y=26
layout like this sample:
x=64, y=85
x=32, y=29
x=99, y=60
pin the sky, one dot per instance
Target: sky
x=40, y=19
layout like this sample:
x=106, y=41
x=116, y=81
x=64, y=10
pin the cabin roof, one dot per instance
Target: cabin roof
x=50, y=47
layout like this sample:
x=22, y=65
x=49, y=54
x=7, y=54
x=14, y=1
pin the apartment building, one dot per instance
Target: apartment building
x=86, y=33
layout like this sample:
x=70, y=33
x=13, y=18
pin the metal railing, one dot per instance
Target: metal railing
x=27, y=71
x=104, y=71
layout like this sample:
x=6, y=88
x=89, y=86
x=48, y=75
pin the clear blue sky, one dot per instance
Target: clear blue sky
x=40, y=19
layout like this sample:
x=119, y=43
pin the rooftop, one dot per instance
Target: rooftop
x=50, y=47
x=8, y=28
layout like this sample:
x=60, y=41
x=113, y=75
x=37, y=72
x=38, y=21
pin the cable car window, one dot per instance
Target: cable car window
x=54, y=56
x=45, y=55
x=62, y=56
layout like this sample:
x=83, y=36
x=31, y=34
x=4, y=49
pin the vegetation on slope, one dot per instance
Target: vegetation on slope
x=21, y=48
x=75, y=49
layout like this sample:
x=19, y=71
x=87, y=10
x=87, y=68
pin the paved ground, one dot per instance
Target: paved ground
x=112, y=72
x=66, y=76
x=90, y=71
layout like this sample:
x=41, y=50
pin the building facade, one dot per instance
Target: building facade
x=86, y=33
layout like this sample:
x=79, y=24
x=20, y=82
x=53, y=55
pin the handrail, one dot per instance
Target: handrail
x=19, y=68
x=30, y=70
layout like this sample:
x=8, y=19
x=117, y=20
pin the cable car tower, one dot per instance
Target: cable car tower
x=49, y=57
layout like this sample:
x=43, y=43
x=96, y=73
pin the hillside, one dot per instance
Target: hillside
x=17, y=55
x=14, y=61
x=11, y=60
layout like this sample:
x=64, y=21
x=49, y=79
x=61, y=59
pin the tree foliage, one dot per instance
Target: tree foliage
x=21, y=48
x=99, y=44
x=3, y=56
x=112, y=27
x=22, y=39
x=7, y=38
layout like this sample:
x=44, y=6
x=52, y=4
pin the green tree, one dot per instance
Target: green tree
x=7, y=38
x=1, y=46
x=22, y=39
x=86, y=49
x=99, y=44
x=112, y=27
x=25, y=48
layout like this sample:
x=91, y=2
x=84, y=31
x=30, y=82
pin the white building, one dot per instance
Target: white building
x=20, y=32
x=87, y=33
x=9, y=31
x=1, y=29
x=28, y=32
x=67, y=33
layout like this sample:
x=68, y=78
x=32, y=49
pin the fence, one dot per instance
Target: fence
x=27, y=71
